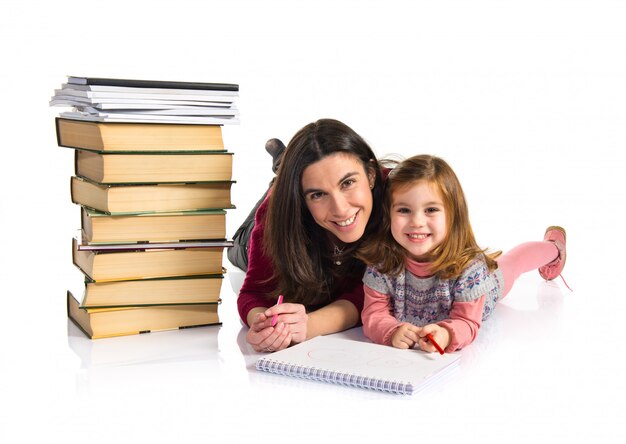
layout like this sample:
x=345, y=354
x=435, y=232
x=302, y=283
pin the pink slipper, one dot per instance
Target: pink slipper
x=553, y=270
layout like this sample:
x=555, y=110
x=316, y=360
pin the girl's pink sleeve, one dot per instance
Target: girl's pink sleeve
x=464, y=323
x=378, y=322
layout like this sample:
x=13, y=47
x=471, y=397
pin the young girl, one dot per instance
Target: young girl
x=429, y=275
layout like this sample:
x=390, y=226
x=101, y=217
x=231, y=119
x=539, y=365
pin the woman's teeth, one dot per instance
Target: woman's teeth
x=347, y=222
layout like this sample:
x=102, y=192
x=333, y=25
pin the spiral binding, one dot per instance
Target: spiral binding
x=320, y=374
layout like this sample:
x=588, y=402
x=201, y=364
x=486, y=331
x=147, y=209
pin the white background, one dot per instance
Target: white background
x=525, y=99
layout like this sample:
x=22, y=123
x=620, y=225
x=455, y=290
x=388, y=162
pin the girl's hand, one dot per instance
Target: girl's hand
x=293, y=315
x=440, y=334
x=264, y=337
x=405, y=336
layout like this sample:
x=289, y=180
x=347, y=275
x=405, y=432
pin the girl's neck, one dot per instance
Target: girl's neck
x=419, y=269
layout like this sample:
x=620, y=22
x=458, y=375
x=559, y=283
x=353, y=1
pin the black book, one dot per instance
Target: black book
x=166, y=84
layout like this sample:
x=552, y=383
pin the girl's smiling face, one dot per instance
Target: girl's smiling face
x=418, y=219
x=337, y=191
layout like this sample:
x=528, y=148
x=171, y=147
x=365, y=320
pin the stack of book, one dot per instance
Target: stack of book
x=153, y=180
x=123, y=100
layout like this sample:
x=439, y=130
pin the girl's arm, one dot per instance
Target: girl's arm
x=470, y=291
x=378, y=322
x=463, y=325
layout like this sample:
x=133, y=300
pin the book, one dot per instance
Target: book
x=104, y=103
x=70, y=94
x=147, y=292
x=167, y=84
x=360, y=364
x=107, y=322
x=99, y=227
x=140, y=261
x=138, y=137
x=145, y=198
x=219, y=111
x=83, y=245
x=109, y=168
x=145, y=118
x=125, y=103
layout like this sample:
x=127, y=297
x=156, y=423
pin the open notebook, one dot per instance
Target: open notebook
x=360, y=364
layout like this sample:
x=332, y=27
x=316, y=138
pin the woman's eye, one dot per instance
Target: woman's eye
x=348, y=182
x=316, y=196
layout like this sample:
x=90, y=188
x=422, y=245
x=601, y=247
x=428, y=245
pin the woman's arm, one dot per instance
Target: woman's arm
x=256, y=310
x=263, y=336
x=256, y=285
x=334, y=317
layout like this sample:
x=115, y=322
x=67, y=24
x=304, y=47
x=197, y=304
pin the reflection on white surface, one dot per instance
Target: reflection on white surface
x=521, y=324
x=543, y=365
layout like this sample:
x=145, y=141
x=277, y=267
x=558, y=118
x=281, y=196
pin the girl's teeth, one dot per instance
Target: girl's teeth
x=418, y=236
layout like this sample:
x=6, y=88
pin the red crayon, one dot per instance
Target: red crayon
x=432, y=341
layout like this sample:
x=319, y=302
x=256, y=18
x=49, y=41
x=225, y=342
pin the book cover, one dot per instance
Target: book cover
x=99, y=227
x=181, y=290
x=153, y=168
x=104, y=323
x=118, y=262
x=167, y=84
x=138, y=137
x=119, y=199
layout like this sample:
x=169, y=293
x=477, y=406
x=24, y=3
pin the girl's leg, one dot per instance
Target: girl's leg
x=525, y=257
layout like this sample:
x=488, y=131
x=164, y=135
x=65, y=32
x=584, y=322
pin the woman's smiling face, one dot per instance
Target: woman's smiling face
x=337, y=191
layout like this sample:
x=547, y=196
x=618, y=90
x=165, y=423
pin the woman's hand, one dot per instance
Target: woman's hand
x=405, y=336
x=440, y=334
x=263, y=337
x=294, y=316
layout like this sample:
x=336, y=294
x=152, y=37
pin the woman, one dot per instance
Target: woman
x=324, y=203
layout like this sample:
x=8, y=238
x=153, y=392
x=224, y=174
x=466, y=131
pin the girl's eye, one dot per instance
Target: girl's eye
x=403, y=210
x=432, y=210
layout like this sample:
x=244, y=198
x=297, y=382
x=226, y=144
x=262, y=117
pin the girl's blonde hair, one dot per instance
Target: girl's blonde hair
x=459, y=246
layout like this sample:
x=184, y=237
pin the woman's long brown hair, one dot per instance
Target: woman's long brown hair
x=298, y=247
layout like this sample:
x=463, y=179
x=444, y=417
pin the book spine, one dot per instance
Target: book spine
x=319, y=374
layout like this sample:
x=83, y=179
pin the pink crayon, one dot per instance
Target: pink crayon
x=275, y=317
